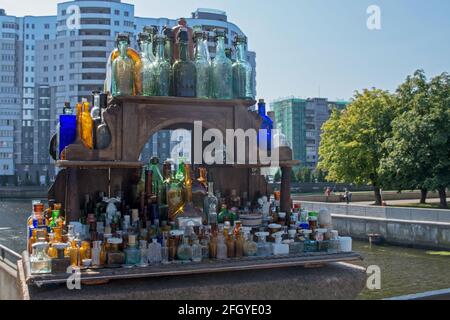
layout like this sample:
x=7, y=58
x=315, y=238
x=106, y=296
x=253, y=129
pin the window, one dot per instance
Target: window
x=126, y=14
x=61, y=45
x=61, y=78
x=46, y=37
x=117, y=12
x=72, y=33
x=72, y=44
x=72, y=66
x=72, y=55
x=63, y=12
x=46, y=26
x=117, y=23
x=61, y=67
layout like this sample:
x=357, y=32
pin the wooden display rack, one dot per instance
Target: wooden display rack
x=133, y=121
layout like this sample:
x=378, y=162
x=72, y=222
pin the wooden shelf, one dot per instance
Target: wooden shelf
x=185, y=101
x=99, y=164
x=180, y=269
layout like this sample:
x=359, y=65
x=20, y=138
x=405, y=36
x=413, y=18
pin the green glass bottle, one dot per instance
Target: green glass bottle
x=222, y=70
x=157, y=179
x=242, y=71
x=184, y=71
x=161, y=70
x=147, y=58
x=203, y=66
x=122, y=69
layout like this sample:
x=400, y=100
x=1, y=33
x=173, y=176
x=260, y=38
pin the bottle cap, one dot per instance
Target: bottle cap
x=154, y=160
x=219, y=33
x=123, y=37
x=144, y=36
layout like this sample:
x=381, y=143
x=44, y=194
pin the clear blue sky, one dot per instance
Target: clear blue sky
x=302, y=45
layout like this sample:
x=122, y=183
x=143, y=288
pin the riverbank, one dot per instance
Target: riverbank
x=32, y=192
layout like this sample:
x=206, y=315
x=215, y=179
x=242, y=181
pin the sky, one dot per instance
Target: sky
x=310, y=48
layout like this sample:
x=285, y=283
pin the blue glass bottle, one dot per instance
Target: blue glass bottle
x=67, y=128
x=265, y=139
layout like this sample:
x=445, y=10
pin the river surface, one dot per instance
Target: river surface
x=403, y=270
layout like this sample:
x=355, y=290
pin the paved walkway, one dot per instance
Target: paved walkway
x=398, y=202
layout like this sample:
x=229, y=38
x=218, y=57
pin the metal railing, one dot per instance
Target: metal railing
x=9, y=257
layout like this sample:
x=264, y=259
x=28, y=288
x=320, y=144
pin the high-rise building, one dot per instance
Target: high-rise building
x=301, y=120
x=49, y=60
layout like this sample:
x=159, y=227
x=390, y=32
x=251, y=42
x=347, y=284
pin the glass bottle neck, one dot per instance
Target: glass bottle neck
x=201, y=54
x=241, y=52
x=148, y=48
x=220, y=51
x=183, y=51
x=160, y=50
x=262, y=109
x=123, y=46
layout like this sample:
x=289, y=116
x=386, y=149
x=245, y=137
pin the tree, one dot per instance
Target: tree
x=277, y=177
x=352, y=143
x=319, y=175
x=418, y=153
x=304, y=174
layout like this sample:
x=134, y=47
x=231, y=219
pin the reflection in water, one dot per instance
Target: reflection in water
x=403, y=271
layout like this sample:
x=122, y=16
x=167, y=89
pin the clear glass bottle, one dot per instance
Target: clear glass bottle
x=184, y=251
x=264, y=249
x=143, y=249
x=184, y=70
x=123, y=69
x=210, y=206
x=154, y=252
x=250, y=246
x=103, y=134
x=197, y=254
x=265, y=138
x=203, y=66
x=222, y=250
x=40, y=262
x=96, y=253
x=221, y=70
x=161, y=70
x=147, y=58
x=242, y=71
x=132, y=253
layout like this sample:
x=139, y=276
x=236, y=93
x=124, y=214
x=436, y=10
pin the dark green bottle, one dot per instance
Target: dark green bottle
x=184, y=71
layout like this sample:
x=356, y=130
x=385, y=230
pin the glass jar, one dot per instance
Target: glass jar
x=132, y=253
x=40, y=263
x=264, y=249
x=250, y=246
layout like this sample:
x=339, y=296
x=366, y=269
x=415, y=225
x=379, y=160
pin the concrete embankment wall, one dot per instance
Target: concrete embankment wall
x=364, y=197
x=8, y=283
x=425, y=228
x=23, y=192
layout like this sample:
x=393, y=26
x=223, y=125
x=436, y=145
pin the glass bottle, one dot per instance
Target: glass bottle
x=197, y=254
x=168, y=44
x=175, y=199
x=295, y=246
x=184, y=71
x=132, y=253
x=79, y=115
x=265, y=138
x=264, y=249
x=189, y=208
x=123, y=69
x=160, y=70
x=211, y=205
x=240, y=245
x=147, y=58
x=154, y=252
x=203, y=66
x=87, y=127
x=85, y=251
x=96, y=252
x=226, y=215
x=199, y=193
x=74, y=254
x=242, y=71
x=143, y=253
x=231, y=246
x=182, y=26
x=222, y=70
x=157, y=179
x=235, y=200
x=67, y=132
x=95, y=115
x=213, y=247
x=52, y=252
x=164, y=208
x=250, y=246
x=222, y=250
x=40, y=262
x=184, y=251
x=103, y=134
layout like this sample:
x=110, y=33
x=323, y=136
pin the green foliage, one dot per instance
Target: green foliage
x=418, y=153
x=352, y=144
x=277, y=177
x=304, y=174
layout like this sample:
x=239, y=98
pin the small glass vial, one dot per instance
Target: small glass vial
x=40, y=261
x=184, y=252
x=197, y=251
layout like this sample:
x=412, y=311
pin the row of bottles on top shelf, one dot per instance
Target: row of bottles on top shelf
x=87, y=124
x=177, y=62
x=174, y=217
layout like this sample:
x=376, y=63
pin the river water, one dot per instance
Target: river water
x=403, y=270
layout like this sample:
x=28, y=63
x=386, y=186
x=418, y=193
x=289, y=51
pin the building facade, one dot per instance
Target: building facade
x=49, y=60
x=301, y=121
